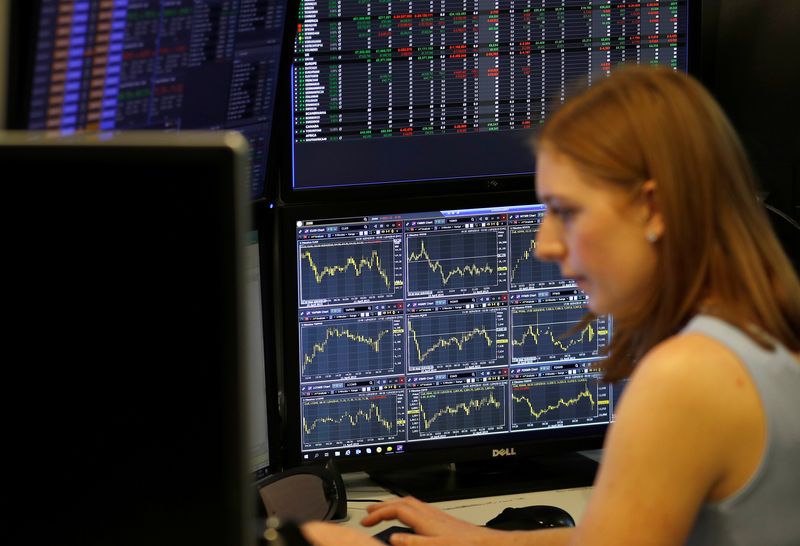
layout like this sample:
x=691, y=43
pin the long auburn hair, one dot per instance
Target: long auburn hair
x=718, y=254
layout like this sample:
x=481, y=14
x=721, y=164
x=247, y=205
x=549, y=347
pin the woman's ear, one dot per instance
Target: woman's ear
x=653, y=219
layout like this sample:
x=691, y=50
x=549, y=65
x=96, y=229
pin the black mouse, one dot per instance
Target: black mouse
x=384, y=535
x=531, y=517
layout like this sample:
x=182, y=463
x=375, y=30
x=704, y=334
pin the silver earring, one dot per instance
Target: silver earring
x=652, y=237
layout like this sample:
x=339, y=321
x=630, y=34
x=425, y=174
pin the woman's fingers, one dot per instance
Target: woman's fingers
x=420, y=516
x=409, y=510
x=406, y=539
x=332, y=534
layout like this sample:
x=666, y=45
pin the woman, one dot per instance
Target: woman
x=652, y=209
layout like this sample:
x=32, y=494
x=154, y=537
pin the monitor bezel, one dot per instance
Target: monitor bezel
x=551, y=441
x=265, y=225
x=698, y=16
x=272, y=172
x=23, y=22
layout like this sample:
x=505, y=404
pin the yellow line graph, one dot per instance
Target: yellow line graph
x=537, y=414
x=318, y=348
x=533, y=332
x=525, y=255
x=436, y=266
x=373, y=262
x=466, y=407
x=374, y=412
x=479, y=331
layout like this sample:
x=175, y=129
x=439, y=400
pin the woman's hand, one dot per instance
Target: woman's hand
x=420, y=516
x=432, y=526
x=333, y=534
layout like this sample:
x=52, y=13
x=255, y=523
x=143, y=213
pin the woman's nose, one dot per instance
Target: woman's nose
x=549, y=247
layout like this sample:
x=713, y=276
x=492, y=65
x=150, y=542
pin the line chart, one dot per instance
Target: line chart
x=524, y=268
x=347, y=270
x=352, y=418
x=463, y=410
x=452, y=338
x=349, y=348
x=542, y=334
x=452, y=262
x=554, y=400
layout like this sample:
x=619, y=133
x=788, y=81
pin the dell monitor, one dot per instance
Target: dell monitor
x=416, y=336
x=125, y=407
x=103, y=65
x=440, y=96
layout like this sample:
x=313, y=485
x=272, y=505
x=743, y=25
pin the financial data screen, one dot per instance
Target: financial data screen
x=414, y=329
x=106, y=65
x=449, y=89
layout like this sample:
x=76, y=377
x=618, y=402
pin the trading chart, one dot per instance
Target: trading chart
x=347, y=271
x=545, y=333
x=351, y=348
x=450, y=263
x=352, y=418
x=464, y=409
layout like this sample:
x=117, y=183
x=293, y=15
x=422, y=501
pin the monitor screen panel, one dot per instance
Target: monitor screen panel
x=125, y=64
x=449, y=91
x=435, y=335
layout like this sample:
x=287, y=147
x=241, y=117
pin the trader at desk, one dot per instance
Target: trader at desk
x=659, y=223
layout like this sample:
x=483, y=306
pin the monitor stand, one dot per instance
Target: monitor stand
x=490, y=478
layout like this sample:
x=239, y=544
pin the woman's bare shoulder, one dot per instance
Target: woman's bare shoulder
x=690, y=359
x=711, y=399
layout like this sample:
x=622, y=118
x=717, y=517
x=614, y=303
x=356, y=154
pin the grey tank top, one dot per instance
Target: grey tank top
x=766, y=510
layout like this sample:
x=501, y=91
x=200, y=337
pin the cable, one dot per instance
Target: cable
x=782, y=214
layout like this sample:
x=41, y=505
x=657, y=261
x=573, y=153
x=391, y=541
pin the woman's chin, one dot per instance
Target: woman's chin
x=596, y=306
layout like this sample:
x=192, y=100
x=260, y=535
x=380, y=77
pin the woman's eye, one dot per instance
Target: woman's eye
x=563, y=213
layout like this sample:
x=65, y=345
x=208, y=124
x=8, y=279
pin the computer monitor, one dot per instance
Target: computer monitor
x=418, y=336
x=125, y=405
x=262, y=380
x=88, y=65
x=264, y=374
x=388, y=96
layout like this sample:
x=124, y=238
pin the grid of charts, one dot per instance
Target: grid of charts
x=424, y=326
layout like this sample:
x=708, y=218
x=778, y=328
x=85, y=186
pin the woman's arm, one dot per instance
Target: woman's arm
x=690, y=429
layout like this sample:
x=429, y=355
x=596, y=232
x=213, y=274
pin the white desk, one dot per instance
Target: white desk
x=477, y=510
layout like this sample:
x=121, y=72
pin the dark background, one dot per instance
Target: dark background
x=752, y=68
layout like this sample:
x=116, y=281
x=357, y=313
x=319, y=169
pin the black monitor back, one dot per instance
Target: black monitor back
x=123, y=367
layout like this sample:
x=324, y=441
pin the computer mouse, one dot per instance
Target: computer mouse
x=384, y=535
x=531, y=517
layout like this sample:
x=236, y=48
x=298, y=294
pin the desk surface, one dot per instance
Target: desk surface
x=476, y=510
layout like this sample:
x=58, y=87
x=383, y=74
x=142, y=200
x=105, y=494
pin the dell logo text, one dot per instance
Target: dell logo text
x=507, y=452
